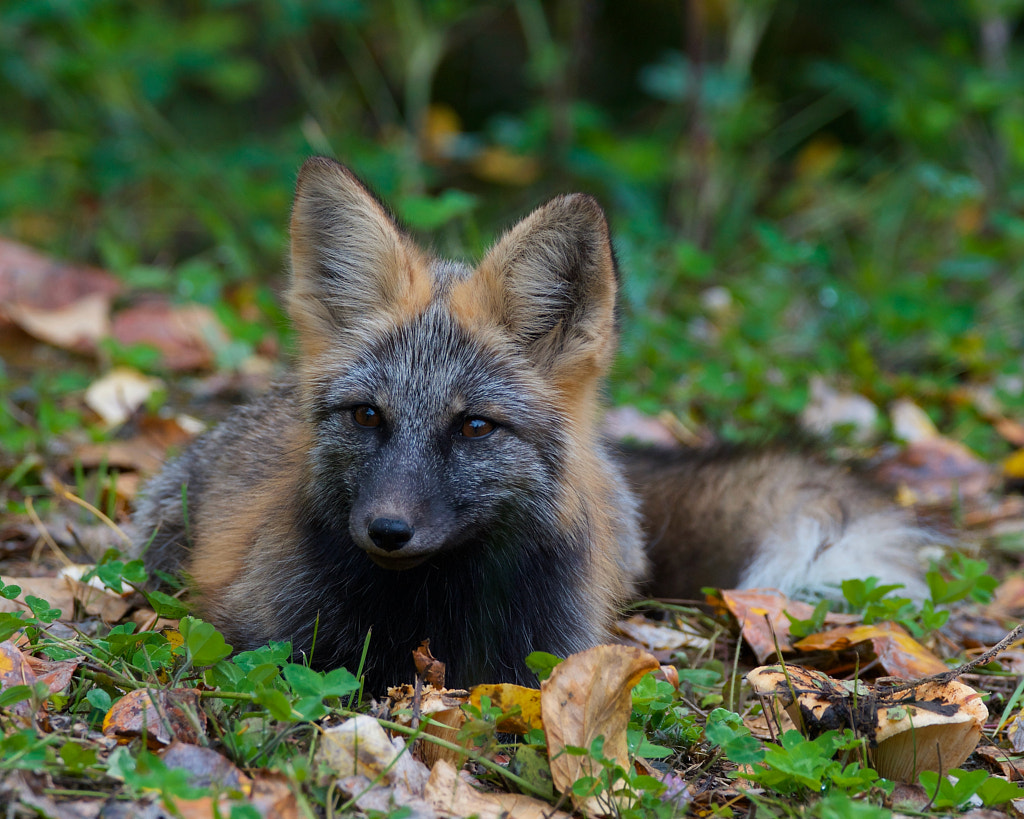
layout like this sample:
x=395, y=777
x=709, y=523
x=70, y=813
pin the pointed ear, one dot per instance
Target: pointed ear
x=550, y=282
x=352, y=267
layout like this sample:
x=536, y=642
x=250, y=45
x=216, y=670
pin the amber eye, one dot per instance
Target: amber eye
x=477, y=427
x=366, y=416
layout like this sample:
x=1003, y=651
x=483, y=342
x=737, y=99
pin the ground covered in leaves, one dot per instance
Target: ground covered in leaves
x=114, y=701
x=820, y=224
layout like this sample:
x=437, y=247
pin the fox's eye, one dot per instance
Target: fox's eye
x=475, y=427
x=366, y=416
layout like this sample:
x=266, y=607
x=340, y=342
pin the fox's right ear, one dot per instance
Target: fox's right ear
x=353, y=269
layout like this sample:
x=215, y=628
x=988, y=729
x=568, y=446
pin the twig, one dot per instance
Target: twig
x=949, y=676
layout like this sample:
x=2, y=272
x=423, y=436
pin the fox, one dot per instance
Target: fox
x=435, y=467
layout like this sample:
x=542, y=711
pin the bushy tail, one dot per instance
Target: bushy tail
x=742, y=519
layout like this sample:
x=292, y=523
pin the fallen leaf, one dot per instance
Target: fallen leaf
x=1008, y=598
x=63, y=592
x=78, y=327
x=1000, y=760
x=145, y=451
x=937, y=470
x=26, y=790
x=1013, y=466
x=428, y=666
x=360, y=747
x=205, y=767
x=910, y=423
x=829, y=409
x=270, y=795
x=509, y=698
x=119, y=393
x=899, y=653
x=1014, y=731
x=185, y=336
x=589, y=696
x=57, y=674
x=15, y=670
x=1011, y=431
x=450, y=795
x=162, y=716
x=31, y=279
x=657, y=637
x=376, y=799
x=761, y=614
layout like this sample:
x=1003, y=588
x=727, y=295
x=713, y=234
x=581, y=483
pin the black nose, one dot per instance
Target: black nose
x=389, y=534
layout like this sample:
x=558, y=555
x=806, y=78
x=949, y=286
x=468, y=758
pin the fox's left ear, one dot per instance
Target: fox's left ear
x=551, y=282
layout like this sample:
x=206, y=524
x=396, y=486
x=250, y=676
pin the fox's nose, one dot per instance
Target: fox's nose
x=389, y=534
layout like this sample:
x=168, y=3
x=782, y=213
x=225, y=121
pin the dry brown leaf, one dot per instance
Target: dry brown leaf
x=925, y=727
x=1011, y=431
x=119, y=393
x=937, y=470
x=57, y=674
x=762, y=618
x=1000, y=760
x=589, y=696
x=28, y=791
x=63, y=592
x=1014, y=731
x=271, y=795
x=450, y=795
x=15, y=670
x=29, y=278
x=428, y=666
x=78, y=327
x=910, y=423
x=183, y=335
x=828, y=409
x=899, y=653
x=360, y=747
x=145, y=451
x=205, y=767
x=657, y=637
x=161, y=715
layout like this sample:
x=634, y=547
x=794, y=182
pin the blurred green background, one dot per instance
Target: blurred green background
x=796, y=187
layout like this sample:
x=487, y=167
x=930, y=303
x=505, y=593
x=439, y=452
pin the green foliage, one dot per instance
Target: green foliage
x=203, y=644
x=541, y=663
x=954, y=790
x=799, y=767
x=114, y=573
x=958, y=578
x=963, y=577
x=813, y=624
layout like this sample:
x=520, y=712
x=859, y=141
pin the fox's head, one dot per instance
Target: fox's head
x=447, y=403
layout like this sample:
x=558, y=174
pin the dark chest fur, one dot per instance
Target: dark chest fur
x=483, y=607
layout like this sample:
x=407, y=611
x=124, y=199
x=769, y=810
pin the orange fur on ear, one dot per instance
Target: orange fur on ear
x=353, y=270
x=550, y=283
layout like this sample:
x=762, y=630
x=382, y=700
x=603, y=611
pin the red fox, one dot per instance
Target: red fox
x=436, y=467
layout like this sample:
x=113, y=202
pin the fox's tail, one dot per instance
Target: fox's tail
x=743, y=519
